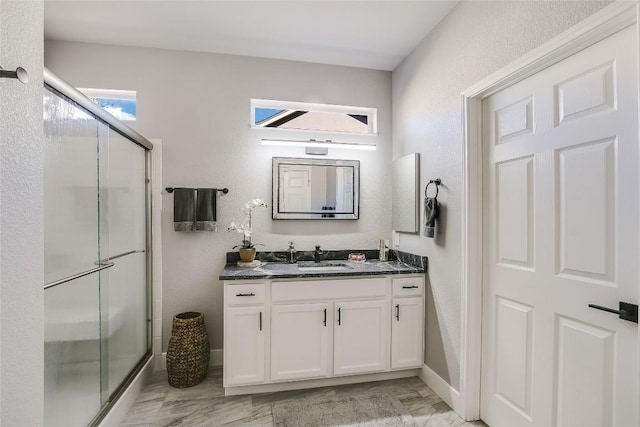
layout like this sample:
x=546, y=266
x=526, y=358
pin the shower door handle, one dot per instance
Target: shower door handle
x=111, y=258
x=79, y=275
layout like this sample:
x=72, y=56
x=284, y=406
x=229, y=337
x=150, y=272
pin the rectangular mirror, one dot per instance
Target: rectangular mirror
x=404, y=194
x=315, y=188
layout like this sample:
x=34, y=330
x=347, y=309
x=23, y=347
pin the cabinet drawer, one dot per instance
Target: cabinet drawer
x=367, y=288
x=408, y=286
x=244, y=293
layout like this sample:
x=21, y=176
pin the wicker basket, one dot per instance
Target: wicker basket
x=188, y=353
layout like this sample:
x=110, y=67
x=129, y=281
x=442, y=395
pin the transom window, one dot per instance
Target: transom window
x=313, y=117
x=119, y=103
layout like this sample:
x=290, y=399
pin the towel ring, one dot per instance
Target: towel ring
x=437, y=182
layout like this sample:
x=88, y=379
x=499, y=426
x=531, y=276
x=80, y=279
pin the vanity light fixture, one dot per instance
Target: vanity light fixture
x=320, y=144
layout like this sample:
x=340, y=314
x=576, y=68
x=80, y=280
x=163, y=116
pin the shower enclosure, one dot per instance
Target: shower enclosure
x=97, y=256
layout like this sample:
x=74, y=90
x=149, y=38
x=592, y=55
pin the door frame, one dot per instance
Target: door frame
x=608, y=21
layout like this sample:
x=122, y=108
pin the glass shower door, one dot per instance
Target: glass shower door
x=123, y=294
x=96, y=288
x=72, y=318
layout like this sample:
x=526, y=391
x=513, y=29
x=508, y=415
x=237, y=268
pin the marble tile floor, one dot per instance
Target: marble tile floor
x=206, y=405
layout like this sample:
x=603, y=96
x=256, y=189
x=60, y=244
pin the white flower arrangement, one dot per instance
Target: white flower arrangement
x=244, y=227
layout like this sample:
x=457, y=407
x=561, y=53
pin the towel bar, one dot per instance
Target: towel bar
x=170, y=189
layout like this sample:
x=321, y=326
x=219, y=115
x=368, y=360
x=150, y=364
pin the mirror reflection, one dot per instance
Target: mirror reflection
x=404, y=194
x=315, y=188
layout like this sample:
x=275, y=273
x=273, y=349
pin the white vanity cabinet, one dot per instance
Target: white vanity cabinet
x=407, y=323
x=244, y=334
x=300, y=341
x=361, y=343
x=317, y=331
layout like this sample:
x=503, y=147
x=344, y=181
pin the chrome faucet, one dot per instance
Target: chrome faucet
x=318, y=254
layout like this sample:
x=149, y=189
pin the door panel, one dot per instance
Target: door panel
x=300, y=341
x=514, y=344
x=584, y=400
x=561, y=231
x=515, y=212
x=587, y=254
x=244, y=355
x=587, y=93
x=514, y=120
x=407, y=331
x=360, y=337
x=296, y=190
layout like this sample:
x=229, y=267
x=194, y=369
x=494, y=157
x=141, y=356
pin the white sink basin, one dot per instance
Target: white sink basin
x=324, y=267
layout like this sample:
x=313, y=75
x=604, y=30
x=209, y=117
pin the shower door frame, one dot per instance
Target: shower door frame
x=58, y=85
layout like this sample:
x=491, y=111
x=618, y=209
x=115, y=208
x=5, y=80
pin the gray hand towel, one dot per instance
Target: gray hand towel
x=184, y=209
x=206, y=209
x=430, y=216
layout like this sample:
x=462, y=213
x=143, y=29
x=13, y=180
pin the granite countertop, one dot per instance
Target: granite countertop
x=277, y=270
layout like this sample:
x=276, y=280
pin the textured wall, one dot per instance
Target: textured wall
x=198, y=104
x=474, y=40
x=21, y=213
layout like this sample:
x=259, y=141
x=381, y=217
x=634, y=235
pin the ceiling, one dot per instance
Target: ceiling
x=368, y=34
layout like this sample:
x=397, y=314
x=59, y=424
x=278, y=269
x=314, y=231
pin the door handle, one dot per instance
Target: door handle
x=398, y=312
x=339, y=317
x=627, y=311
x=260, y=320
x=325, y=317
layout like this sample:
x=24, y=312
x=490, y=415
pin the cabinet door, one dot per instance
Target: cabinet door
x=244, y=345
x=300, y=341
x=361, y=331
x=407, y=333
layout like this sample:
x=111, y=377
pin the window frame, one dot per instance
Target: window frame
x=370, y=112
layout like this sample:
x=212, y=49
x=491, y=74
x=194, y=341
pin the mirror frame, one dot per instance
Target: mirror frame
x=277, y=161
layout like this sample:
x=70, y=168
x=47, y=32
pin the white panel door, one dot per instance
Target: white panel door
x=361, y=329
x=407, y=326
x=560, y=230
x=244, y=346
x=300, y=341
x=295, y=186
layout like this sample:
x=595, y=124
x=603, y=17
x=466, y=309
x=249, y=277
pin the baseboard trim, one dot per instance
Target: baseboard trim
x=446, y=392
x=215, y=359
x=120, y=408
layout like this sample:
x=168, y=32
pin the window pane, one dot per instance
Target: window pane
x=119, y=103
x=263, y=114
x=314, y=117
x=122, y=109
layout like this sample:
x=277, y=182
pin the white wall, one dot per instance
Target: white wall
x=21, y=217
x=474, y=40
x=198, y=104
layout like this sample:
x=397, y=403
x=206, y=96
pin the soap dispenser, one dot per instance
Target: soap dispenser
x=292, y=253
